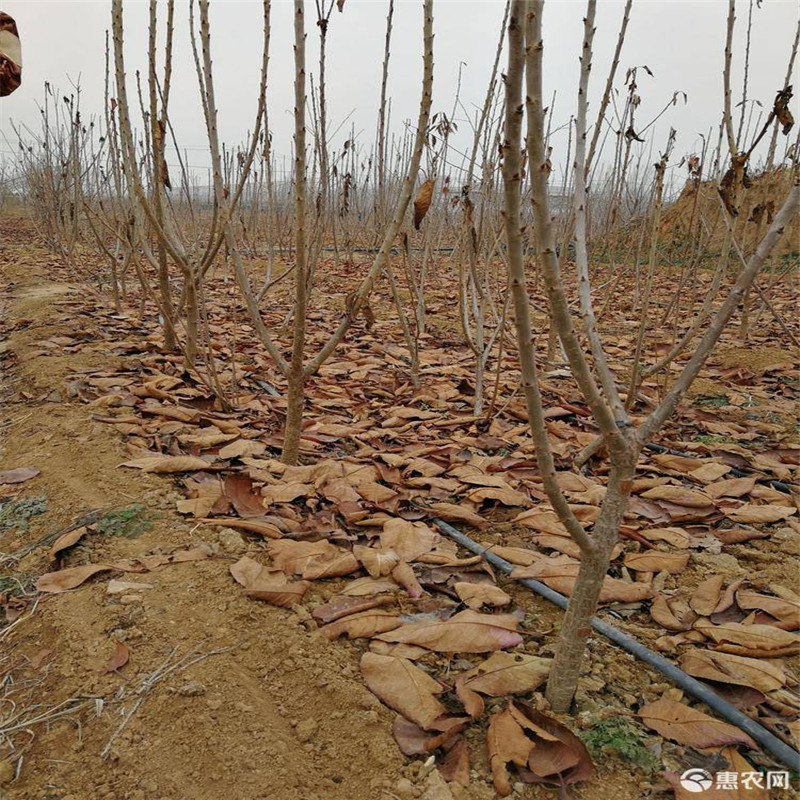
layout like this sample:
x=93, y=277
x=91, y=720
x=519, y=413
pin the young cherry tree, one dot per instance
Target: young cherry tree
x=623, y=439
x=299, y=368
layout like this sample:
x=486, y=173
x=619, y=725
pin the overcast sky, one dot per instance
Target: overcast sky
x=681, y=42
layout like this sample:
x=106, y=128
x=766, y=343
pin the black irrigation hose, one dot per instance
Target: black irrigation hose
x=785, y=754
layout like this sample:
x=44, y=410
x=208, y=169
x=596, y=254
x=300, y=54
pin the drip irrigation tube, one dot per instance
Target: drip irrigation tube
x=782, y=751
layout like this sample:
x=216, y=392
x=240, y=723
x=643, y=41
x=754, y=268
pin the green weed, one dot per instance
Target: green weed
x=17, y=513
x=622, y=736
x=130, y=522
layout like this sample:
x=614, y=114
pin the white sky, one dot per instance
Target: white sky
x=681, y=42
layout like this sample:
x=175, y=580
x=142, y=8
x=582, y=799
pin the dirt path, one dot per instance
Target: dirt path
x=280, y=712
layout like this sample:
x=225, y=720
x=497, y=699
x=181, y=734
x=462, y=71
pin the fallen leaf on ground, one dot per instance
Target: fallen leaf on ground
x=689, y=726
x=363, y=624
x=379, y=562
x=341, y=607
x=655, y=561
x=119, y=658
x=476, y=595
x=500, y=674
x=561, y=573
x=760, y=674
x=679, y=496
x=239, y=490
x=266, y=583
x=70, y=578
x=466, y=632
x=168, y=464
x=18, y=475
x=559, y=757
x=413, y=740
x=750, y=513
x=756, y=641
x=706, y=596
x=454, y=767
x=67, y=540
x=451, y=512
x=507, y=744
x=408, y=540
x=404, y=687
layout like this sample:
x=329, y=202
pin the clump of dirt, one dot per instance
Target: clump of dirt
x=757, y=205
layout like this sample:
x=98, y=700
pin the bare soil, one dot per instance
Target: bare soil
x=270, y=709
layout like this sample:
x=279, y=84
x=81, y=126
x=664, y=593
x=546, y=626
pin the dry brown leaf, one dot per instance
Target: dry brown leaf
x=408, y=539
x=688, y=726
x=500, y=674
x=507, y=744
x=451, y=512
x=366, y=587
x=760, y=674
x=18, y=475
x=312, y=560
x=413, y=740
x=732, y=487
x=680, y=619
x=119, y=658
x=363, y=624
x=168, y=464
x=709, y=472
x=238, y=488
x=542, y=521
x=285, y=492
x=679, y=496
x=785, y=610
x=751, y=640
x=561, y=573
x=476, y=595
x=559, y=758
x=259, y=526
x=67, y=540
x=378, y=562
x=655, y=561
x=750, y=513
x=241, y=448
x=342, y=607
x=266, y=583
x=520, y=556
x=422, y=202
x=70, y=578
x=504, y=495
x=706, y=596
x=404, y=574
x=677, y=537
x=404, y=687
x=279, y=593
x=454, y=767
x=465, y=632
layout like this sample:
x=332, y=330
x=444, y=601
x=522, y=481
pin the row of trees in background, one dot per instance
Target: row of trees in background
x=499, y=220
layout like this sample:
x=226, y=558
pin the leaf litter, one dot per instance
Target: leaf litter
x=362, y=511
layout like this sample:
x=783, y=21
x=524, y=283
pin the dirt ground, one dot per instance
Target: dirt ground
x=223, y=697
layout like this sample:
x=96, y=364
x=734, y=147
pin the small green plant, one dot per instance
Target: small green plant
x=622, y=736
x=712, y=401
x=130, y=522
x=17, y=513
x=715, y=438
